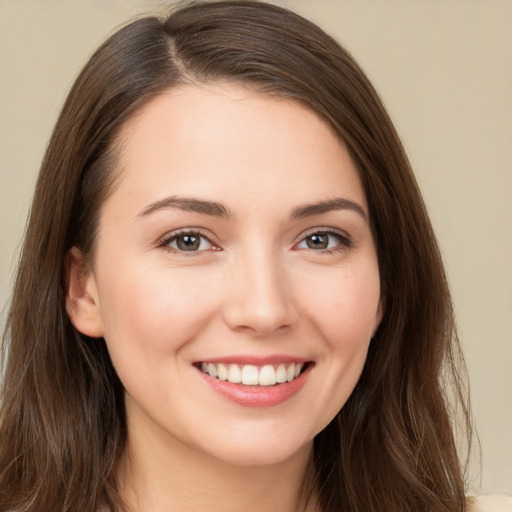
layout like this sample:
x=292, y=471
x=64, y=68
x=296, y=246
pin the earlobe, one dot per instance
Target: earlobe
x=82, y=302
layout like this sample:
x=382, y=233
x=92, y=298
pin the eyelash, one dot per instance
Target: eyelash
x=166, y=241
x=344, y=241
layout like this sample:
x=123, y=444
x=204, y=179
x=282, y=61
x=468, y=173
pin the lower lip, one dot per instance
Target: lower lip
x=257, y=396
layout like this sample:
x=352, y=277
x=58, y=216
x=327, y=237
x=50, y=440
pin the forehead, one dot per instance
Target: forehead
x=229, y=143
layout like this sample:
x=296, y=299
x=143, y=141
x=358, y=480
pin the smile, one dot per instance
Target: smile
x=252, y=375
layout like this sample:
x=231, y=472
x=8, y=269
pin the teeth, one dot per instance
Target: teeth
x=267, y=376
x=290, y=373
x=234, y=374
x=222, y=372
x=212, y=370
x=281, y=373
x=251, y=375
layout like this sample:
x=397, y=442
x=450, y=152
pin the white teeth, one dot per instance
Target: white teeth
x=251, y=375
x=267, y=376
x=234, y=374
x=222, y=372
x=281, y=373
x=212, y=370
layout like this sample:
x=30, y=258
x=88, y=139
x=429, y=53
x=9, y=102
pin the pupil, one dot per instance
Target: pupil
x=317, y=242
x=188, y=242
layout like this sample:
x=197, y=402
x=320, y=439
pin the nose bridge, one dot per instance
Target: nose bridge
x=260, y=298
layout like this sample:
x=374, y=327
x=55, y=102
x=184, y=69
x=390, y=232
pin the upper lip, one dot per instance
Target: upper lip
x=256, y=360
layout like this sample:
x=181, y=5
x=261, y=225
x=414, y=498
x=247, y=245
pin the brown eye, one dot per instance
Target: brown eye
x=325, y=241
x=188, y=242
x=317, y=241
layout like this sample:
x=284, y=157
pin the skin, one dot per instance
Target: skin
x=256, y=286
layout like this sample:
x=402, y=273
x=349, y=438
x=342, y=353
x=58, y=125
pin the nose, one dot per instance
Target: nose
x=260, y=300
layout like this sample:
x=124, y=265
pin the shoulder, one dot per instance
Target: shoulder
x=491, y=503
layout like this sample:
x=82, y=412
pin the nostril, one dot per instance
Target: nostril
x=258, y=319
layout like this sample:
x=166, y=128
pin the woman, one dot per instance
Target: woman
x=237, y=300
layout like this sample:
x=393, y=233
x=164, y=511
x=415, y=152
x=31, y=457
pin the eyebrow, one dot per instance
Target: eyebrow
x=187, y=204
x=215, y=209
x=337, y=203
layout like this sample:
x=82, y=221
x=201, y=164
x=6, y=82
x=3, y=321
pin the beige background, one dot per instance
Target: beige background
x=443, y=68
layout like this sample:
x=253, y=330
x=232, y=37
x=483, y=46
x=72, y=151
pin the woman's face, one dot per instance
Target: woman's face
x=236, y=245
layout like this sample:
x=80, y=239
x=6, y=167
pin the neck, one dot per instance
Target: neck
x=160, y=473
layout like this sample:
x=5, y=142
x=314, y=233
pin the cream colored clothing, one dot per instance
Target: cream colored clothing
x=492, y=503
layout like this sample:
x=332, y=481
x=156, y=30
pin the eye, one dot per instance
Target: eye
x=187, y=241
x=325, y=241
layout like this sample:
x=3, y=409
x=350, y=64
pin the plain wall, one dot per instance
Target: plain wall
x=444, y=70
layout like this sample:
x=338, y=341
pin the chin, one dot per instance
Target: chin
x=255, y=450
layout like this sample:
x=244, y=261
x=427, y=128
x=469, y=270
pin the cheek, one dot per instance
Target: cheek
x=157, y=309
x=342, y=305
x=345, y=306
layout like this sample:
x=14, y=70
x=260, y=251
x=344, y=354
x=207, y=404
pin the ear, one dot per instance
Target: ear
x=82, y=303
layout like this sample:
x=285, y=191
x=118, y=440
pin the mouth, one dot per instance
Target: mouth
x=268, y=375
x=256, y=381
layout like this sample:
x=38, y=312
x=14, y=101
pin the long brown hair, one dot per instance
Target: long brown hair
x=62, y=421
